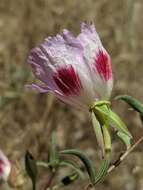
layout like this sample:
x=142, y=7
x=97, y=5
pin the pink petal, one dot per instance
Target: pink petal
x=103, y=65
x=38, y=88
x=68, y=80
x=97, y=59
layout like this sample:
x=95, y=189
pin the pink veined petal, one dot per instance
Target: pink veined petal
x=103, y=65
x=97, y=59
x=71, y=40
x=38, y=88
x=67, y=50
x=68, y=80
x=43, y=89
x=41, y=67
x=1, y=167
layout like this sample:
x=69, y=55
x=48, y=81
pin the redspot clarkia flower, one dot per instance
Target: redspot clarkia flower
x=5, y=167
x=76, y=69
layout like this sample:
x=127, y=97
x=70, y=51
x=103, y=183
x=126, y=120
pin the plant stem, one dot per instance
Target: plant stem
x=123, y=156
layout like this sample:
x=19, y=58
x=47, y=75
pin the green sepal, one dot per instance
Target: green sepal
x=73, y=166
x=125, y=138
x=107, y=138
x=105, y=116
x=113, y=118
x=53, y=159
x=100, y=103
x=31, y=168
x=101, y=112
x=119, y=124
x=98, y=132
x=86, y=161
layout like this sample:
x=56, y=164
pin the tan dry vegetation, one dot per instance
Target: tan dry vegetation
x=26, y=118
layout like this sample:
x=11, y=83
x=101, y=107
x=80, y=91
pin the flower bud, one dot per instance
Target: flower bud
x=5, y=167
x=16, y=177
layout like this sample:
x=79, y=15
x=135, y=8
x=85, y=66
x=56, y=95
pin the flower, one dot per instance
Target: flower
x=76, y=69
x=5, y=167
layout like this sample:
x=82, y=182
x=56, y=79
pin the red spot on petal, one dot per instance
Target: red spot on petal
x=1, y=167
x=68, y=80
x=103, y=65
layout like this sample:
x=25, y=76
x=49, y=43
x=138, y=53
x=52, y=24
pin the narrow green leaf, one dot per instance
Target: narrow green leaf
x=69, y=179
x=98, y=132
x=31, y=168
x=86, y=161
x=135, y=104
x=103, y=170
x=73, y=166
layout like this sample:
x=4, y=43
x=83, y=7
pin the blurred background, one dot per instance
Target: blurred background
x=27, y=118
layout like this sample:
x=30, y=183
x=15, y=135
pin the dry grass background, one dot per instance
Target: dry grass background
x=26, y=118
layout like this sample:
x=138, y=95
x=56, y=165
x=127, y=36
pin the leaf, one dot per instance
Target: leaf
x=103, y=170
x=65, y=181
x=69, y=179
x=86, y=161
x=135, y=104
x=31, y=168
x=73, y=166
x=98, y=132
